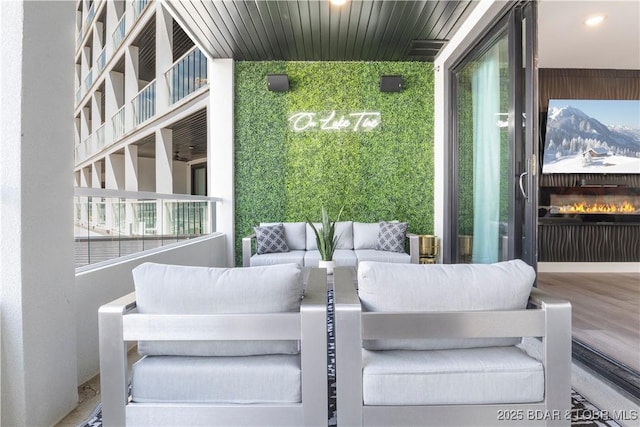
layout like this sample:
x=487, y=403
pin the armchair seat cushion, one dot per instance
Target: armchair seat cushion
x=239, y=380
x=342, y=257
x=382, y=256
x=291, y=257
x=500, y=375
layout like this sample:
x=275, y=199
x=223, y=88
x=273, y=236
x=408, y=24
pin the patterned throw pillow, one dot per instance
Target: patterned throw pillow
x=270, y=239
x=391, y=236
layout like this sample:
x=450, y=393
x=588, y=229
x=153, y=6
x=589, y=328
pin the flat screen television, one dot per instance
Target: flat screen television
x=592, y=136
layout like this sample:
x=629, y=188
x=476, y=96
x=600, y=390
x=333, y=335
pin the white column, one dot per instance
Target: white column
x=164, y=56
x=130, y=83
x=131, y=167
x=85, y=63
x=85, y=123
x=164, y=175
x=220, y=140
x=113, y=179
x=37, y=272
x=85, y=181
x=96, y=182
x=97, y=43
x=114, y=99
x=96, y=112
x=131, y=183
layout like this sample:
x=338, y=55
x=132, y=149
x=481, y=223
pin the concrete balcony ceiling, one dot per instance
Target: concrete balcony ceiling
x=316, y=30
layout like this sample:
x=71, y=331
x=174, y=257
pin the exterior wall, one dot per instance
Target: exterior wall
x=39, y=382
x=99, y=284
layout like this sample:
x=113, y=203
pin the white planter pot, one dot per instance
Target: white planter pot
x=328, y=265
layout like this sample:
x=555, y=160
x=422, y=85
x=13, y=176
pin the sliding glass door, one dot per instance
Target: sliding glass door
x=492, y=202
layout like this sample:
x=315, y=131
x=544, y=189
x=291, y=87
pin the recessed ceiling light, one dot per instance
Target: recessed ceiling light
x=337, y=2
x=594, y=20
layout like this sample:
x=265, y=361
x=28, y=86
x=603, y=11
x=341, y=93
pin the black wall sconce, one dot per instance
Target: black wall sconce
x=278, y=82
x=391, y=83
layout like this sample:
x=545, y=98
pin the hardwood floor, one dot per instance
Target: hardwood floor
x=606, y=310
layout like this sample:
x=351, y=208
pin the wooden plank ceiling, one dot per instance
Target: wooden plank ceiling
x=315, y=30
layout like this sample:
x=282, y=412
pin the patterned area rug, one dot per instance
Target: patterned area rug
x=583, y=413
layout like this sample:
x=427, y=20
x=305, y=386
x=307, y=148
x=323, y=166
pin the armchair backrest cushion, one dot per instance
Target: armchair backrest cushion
x=294, y=234
x=174, y=289
x=344, y=233
x=439, y=287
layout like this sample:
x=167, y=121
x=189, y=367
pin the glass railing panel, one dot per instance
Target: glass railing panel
x=144, y=104
x=88, y=81
x=117, y=121
x=102, y=60
x=138, y=7
x=108, y=226
x=90, y=14
x=187, y=75
x=119, y=32
x=78, y=95
x=80, y=37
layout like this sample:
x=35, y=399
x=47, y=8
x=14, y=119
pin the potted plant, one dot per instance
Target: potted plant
x=326, y=240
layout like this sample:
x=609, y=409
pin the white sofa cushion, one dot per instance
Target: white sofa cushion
x=294, y=234
x=344, y=233
x=437, y=287
x=382, y=256
x=175, y=289
x=342, y=257
x=291, y=257
x=452, y=377
x=244, y=379
x=365, y=235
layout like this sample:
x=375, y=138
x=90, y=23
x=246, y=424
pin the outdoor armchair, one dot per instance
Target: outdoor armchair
x=420, y=345
x=221, y=347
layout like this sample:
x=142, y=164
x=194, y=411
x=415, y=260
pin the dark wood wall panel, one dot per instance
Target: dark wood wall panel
x=589, y=243
x=575, y=179
x=560, y=83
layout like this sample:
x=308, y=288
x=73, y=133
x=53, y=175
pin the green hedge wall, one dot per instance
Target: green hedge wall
x=385, y=173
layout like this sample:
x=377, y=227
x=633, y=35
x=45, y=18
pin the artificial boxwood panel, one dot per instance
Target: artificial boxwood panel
x=385, y=173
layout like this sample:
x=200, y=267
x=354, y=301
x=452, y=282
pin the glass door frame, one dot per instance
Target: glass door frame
x=522, y=82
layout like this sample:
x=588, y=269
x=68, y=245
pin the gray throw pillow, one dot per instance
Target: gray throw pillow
x=270, y=239
x=391, y=236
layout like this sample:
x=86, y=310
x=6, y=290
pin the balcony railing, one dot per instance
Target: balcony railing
x=113, y=223
x=79, y=94
x=117, y=121
x=120, y=32
x=188, y=74
x=144, y=104
x=138, y=7
x=102, y=60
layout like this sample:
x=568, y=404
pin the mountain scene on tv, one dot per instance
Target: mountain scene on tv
x=592, y=136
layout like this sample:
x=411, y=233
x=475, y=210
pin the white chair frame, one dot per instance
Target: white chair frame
x=119, y=324
x=550, y=320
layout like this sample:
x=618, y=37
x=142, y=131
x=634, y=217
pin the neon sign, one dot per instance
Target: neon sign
x=363, y=121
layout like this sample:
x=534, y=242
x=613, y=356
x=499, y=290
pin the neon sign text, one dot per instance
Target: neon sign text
x=353, y=122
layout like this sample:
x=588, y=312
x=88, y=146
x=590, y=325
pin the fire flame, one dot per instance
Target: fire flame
x=607, y=208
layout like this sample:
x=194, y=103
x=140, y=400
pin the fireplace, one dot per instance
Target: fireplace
x=594, y=220
x=595, y=203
